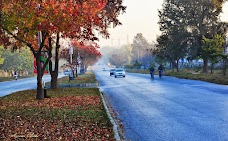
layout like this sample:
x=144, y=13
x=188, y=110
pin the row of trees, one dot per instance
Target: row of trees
x=20, y=61
x=137, y=54
x=87, y=53
x=23, y=22
x=192, y=29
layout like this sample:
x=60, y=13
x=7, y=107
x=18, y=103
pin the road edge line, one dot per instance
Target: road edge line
x=115, y=127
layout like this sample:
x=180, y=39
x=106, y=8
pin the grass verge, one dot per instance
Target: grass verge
x=89, y=77
x=2, y=79
x=69, y=114
x=216, y=77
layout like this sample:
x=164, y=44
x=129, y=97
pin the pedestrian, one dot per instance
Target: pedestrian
x=15, y=75
x=152, y=72
x=160, y=70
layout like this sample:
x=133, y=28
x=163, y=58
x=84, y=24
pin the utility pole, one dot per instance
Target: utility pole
x=71, y=53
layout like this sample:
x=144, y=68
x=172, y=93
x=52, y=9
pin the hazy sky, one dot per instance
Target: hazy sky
x=141, y=17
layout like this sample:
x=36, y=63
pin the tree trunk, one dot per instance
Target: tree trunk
x=54, y=74
x=54, y=80
x=54, y=77
x=177, y=65
x=205, y=65
x=171, y=66
x=76, y=71
x=72, y=70
x=39, y=92
x=212, y=67
x=224, y=67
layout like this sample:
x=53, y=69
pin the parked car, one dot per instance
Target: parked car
x=119, y=72
x=67, y=72
x=112, y=71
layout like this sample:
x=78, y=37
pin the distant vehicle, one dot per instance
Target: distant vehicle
x=67, y=72
x=104, y=69
x=119, y=72
x=112, y=71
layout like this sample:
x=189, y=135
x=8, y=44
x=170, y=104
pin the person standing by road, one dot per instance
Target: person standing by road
x=15, y=75
x=152, y=72
x=160, y=70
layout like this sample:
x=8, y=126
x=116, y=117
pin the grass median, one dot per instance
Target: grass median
x=68, y=114
x=88, y=78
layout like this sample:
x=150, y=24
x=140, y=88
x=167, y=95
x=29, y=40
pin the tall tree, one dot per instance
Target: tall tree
x=75, y=19
x=88, y=53
x=197, y=17
x=213, y=48
x=139, y=47
x=201, y=18
x=99, y=21
x=119, y=57
x=173, y=41
x=19, y=60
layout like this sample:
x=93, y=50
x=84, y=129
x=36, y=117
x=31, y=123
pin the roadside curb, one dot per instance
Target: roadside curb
x=115, y=127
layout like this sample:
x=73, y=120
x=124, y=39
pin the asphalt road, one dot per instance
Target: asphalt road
x=9, y=87
x=167, y=109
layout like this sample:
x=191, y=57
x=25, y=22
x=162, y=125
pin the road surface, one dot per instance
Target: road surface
x=167, y=109
x=9, y=87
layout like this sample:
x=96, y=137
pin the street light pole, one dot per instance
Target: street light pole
x=71, y=53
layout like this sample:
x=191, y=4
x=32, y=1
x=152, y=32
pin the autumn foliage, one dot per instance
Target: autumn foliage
x=76, y=19
x=71, y=18
x=88, y=51
x=20, y=22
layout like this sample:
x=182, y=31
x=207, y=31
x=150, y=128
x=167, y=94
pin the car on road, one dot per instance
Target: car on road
x=112, y=71
x=119, y=72
x=67, y=72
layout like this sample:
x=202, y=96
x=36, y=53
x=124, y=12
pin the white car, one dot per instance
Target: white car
x=119, y=72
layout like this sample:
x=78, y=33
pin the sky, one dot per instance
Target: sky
x=141, y=17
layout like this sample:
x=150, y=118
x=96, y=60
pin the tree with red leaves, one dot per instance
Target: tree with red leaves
x=20, y=22
x=99, y=21
x=87, y=52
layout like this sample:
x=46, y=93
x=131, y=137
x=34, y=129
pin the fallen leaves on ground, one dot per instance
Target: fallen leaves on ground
x=59, y=102
x=66, y=118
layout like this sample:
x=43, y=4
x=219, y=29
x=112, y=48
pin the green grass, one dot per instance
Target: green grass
x=88, y=77
x=215, y=77
x=2, y=79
